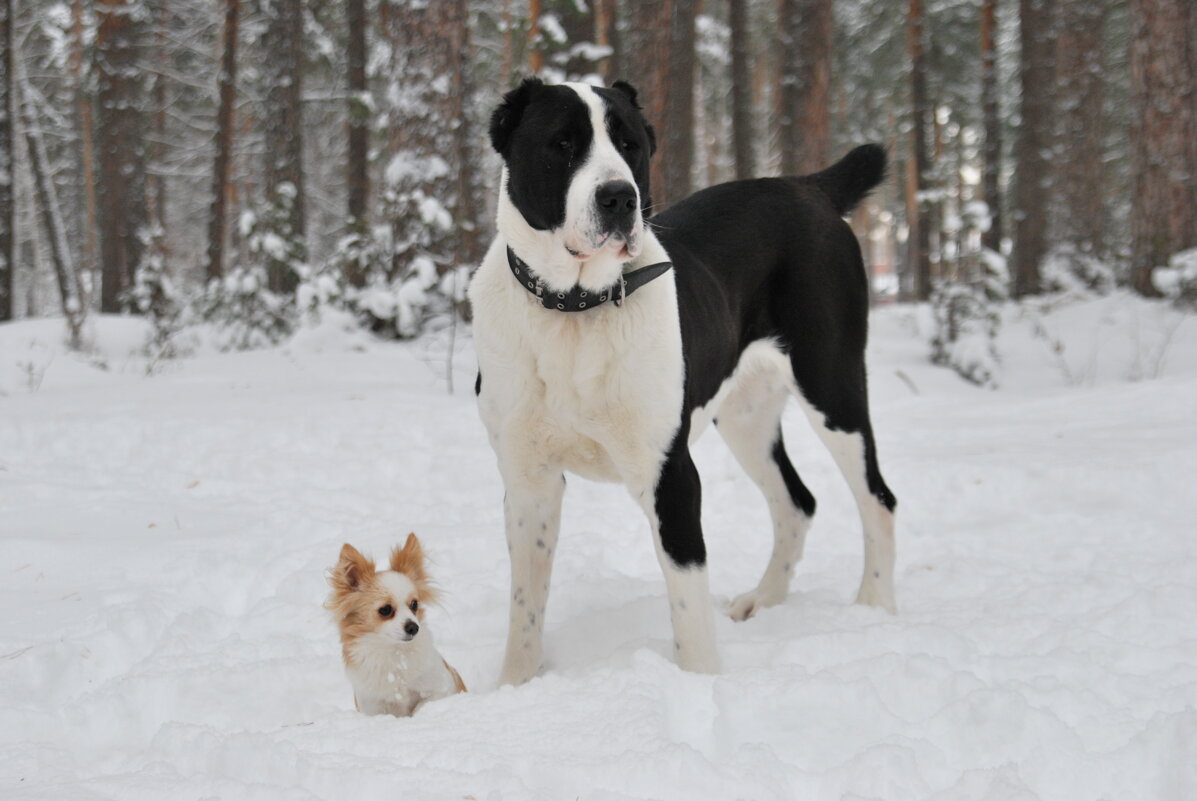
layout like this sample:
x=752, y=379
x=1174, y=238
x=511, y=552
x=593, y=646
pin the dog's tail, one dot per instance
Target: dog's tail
x=849, y=180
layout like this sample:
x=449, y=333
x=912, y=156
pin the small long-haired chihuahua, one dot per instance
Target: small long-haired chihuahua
x=389, y=656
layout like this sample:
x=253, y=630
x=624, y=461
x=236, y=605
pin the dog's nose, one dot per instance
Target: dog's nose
x=616, y=200
x=410, y=628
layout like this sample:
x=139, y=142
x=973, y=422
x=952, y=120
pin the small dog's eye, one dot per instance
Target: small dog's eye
x=386, y=611
x=563, y=144
x=414, y=605
x=628, y=144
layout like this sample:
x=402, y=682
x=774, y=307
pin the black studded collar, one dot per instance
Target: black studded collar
x=578, y=299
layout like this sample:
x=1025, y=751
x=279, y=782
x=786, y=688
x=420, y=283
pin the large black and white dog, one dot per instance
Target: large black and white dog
x=590, y=364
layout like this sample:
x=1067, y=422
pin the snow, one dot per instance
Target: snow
x=163, y=542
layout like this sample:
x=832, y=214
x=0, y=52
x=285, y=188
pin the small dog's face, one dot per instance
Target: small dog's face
x=389, y=603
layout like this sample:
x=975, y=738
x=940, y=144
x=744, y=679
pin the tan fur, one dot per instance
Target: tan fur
x=409, y=560
x=461, y=688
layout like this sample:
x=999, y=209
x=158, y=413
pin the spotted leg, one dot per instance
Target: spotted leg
x=532, y=512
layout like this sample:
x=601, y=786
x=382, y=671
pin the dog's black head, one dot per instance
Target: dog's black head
x=577, y=160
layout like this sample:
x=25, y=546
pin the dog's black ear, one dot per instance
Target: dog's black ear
x=629, y=90
x=652, y=139
x=506, y=118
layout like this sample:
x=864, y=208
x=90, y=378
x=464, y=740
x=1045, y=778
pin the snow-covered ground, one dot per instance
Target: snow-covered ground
x=163, y=542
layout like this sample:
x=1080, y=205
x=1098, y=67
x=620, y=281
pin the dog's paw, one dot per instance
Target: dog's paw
x=874, y=594
x=746, y=605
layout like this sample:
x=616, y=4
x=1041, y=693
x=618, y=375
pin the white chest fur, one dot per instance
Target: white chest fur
x=396, y=678
x=598, y=392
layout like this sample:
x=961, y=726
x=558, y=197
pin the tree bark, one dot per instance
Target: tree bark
x=1080, y=81
x=660, y=56
x=741, y=89
x=607, y=31
x=7, y=205
x=120, y=138
x=87, y=154
x=225, y=123
x=991, y=113
x=1163, y=136
x=535, y=54
x=805, y=115
x=920, y=226
x=284, y=130
x=358, y=176
x=155, y=180
x=1033, y=169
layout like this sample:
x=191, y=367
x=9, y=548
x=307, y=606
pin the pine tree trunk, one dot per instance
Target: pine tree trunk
x=1033, y=174
x=225, y=122
x=284, y=132
x=741, y=89
x=805, y=112
x=920, y=224
x=155, y=179
x=991, y=112
x=607, y=31
x=359, y=125
x=7, y=205
x=87, y=155
x=1163, y=136
x=678, y=139
x=1080, y=169
x=660, y=56
x=535, y=54
x=120, y=139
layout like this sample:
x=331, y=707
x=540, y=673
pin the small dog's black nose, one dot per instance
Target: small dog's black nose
x=616, y=200
x=411, y=627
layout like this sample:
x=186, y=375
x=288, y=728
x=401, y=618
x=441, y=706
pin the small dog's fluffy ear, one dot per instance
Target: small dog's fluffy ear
x=351, y=570
x=409, y=560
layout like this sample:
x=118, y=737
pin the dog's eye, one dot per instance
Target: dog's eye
x=386, y=611
x=629, y=145
x=563, y=144
x=414, y=605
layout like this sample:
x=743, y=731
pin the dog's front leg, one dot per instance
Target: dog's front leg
x=674, y=509
x=532, y=512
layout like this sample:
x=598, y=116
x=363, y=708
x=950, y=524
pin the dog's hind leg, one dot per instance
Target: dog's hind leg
x=673, y=508
x=532, y=512
x=750, y=422
x=836, y=405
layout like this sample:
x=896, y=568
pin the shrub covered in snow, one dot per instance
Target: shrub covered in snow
x=1067, y=269
x=1178, y=280
x=967, y=310
x=154, y=295
x=244, y=312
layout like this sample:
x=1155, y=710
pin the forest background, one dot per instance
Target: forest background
x=239, y=164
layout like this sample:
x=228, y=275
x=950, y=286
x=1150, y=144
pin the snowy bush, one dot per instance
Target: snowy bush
x=1178, y=280
x=244, y=312
x=967, y=311
x=155, y=296
x=966, y=327
x=270, y=242
x=1067, y=269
